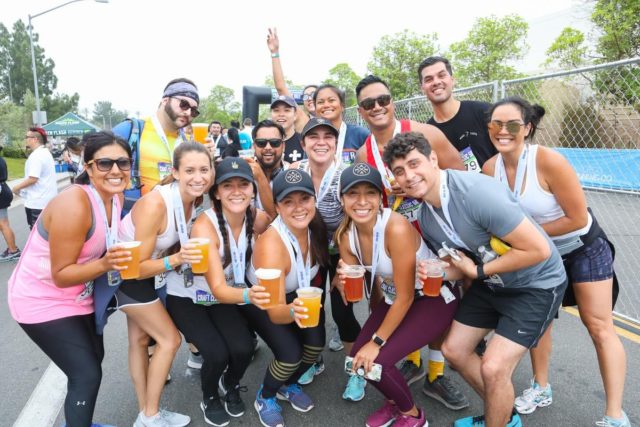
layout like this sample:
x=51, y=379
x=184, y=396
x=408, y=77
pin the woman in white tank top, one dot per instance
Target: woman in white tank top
x=548, y=189
x=160, y=221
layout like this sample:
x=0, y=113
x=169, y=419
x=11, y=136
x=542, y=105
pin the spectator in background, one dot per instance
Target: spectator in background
x=72, y=156
x=218, y=140
x=6, y=197
x=39, y=185
x=233, y=144
x=245, y=135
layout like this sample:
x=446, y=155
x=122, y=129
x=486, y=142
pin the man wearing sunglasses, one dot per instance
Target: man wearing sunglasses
x=463, y=122
x=161, y=133
x=39, y=185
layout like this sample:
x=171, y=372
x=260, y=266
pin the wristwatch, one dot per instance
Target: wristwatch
x=480, y=272
x=377, y=340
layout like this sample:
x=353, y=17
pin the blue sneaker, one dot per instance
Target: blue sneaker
x=354, y=391
x=269, y=412
x=298, y=398
x=314, y=370
x=614, y=422
x=533, y=398
x=478, y=421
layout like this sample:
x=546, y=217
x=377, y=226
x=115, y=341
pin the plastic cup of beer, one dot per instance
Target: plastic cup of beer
x=432, y=284
x=310, y=297
x=200, y=132
x=269, y=279
x=202, y=266
x=354, y=283
x=133, y=266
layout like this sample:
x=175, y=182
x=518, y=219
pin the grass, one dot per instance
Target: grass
x=15, y=167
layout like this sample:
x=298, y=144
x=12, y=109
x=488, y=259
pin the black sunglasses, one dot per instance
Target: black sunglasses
x=106, y=164
x=513, y=127
x=368, y=103
x=262, y=142
x=184, y=106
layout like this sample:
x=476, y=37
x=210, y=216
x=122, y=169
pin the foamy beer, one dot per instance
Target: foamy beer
x=133, y=267
x=269, y=279
x=202, y=244
x=200, y=132
x=353, y=283
x=310, y=297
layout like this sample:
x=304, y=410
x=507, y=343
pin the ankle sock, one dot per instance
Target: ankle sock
x=414, y=358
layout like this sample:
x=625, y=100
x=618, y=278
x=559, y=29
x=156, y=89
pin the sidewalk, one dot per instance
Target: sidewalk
x=62, y=178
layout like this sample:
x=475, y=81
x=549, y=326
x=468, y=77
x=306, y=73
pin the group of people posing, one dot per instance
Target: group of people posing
x=318, y=196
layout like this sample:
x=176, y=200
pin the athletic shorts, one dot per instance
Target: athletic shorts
x=136, y=292
x=520, y=315
x=4, y=213
x=592, y=263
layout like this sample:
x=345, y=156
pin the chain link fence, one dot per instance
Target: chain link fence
x=592, y=118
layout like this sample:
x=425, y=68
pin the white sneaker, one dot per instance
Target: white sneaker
x=194, y=361
x=174, y=419
x=155, y=421
x=335, y=344
x=533, y=398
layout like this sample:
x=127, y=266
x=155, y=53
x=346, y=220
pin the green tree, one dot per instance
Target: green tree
x=396, y=57
x=618, y=22
x=105, y=116
x=60, y=104
x=14, y=120
x=492, y=43
x=343, y=77
x=15, y=61
x=569, y=49
x=219, y=105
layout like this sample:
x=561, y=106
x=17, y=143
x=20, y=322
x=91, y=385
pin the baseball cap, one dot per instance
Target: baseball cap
x=358, y=173
x=286, y=99
x=232, y=167
x=318, y=121
x=292, y=180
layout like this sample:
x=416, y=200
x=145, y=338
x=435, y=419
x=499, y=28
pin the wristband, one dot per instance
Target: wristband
x=275, y=55
x=167, y=264
x=245, y=296
x=292, y=313
x=444, y=274
x=480, y=272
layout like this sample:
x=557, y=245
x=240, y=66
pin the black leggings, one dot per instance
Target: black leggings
x=73, y=345
x=295, y=349
x=222, y=337
x=343, y=316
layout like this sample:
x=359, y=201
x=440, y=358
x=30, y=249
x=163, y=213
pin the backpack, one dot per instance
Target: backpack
x=130, y=130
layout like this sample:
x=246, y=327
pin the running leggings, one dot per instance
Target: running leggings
x=343, y=316
x=295, y=349
x=73, y=345
x=222, y=337
x=425, y=321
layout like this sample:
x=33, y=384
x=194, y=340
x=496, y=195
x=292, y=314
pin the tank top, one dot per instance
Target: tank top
x=384, y=267
x=541, y=205
x=33, y=296
x=291, y=280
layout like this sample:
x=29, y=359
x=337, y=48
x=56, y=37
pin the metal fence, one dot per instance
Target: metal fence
x=593, y=118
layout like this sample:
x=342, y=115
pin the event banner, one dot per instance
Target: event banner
x=604, y=168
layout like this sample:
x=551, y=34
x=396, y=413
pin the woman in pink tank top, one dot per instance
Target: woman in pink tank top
x=50, y=291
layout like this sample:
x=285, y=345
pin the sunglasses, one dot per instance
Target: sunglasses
x=368, y=103
x=308, y=96
x=513, y=127
x=184, y=106
x=105, y=165
x=262, y=142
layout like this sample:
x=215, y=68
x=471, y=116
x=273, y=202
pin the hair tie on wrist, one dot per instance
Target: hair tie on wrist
x=275, y=55
x=245, y=296
x=292, y=313
x=167, y=264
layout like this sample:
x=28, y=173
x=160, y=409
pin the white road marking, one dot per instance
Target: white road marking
x=46, y=400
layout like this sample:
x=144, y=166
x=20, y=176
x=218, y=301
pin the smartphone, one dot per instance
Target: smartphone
x=446, y=250
x=375, y=374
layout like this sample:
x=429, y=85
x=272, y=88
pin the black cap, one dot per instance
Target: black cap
x=284, y=99
x=357, y=173
x=318, y=121
x=292, y=180
x=232, y=167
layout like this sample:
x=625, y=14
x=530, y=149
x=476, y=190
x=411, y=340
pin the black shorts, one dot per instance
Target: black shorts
x=136, y=292
x=520, y=315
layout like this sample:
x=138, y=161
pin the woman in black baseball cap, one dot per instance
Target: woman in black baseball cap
x=295, y=244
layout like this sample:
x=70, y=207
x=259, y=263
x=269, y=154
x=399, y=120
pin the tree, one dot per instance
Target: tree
x=490, y=45
x=14, y=120
x=105, y=116
x=619, y=24
x=60, y=104
x=568, y=50
x=395, y=59
x=219, y=105
x=343, y=77
x=15, y=62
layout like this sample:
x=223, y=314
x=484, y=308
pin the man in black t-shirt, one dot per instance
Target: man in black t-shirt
x=463, y=122
x=283, y=112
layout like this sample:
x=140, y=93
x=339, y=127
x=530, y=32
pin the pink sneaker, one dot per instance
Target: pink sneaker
x=409, y=421
x=384, y=416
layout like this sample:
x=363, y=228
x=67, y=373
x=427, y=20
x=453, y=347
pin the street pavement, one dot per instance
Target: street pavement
x=578, y=394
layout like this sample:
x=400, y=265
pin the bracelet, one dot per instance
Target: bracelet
x=275, y=55
x=167, y=264
x=245, y=296
x=292, y=313
x=444, y=274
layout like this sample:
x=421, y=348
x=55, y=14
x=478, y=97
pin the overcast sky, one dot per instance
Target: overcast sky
x=127, y=50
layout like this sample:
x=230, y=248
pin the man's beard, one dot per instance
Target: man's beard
x=173, y=116
x=276, y=161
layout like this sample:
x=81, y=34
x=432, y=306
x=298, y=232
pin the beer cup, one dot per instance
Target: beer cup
x=269, y=279
x=310, y=297
x=200, y=132
x=353, y=282
x=202, y=266
x=133, y=267
x=432, y=284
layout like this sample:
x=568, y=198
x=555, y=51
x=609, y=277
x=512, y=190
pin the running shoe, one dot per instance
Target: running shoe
x=195, y=360
x=214, y=413
x=409, y=421
x=269, y=412
x=354, y=391
x=478, y=421
x=445, y=391
x=174, y=419
x=315, y=369
x=384, y=416
x=155, y=421
x=614, y=422
x=411, y=372
x=94, y=425
x=10, y=256
x=299, y=400
x=233, y=404
x=533, y=398
x=335, y=344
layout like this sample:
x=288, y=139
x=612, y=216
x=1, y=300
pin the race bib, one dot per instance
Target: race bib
x=205, y=298
x=470, y=161
x=164, y=169
x=160, y=280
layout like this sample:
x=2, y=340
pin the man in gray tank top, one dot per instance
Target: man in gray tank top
x=516, y=293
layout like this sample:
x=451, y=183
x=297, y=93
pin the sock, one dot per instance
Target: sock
x=436, y=364
x=414, y=358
